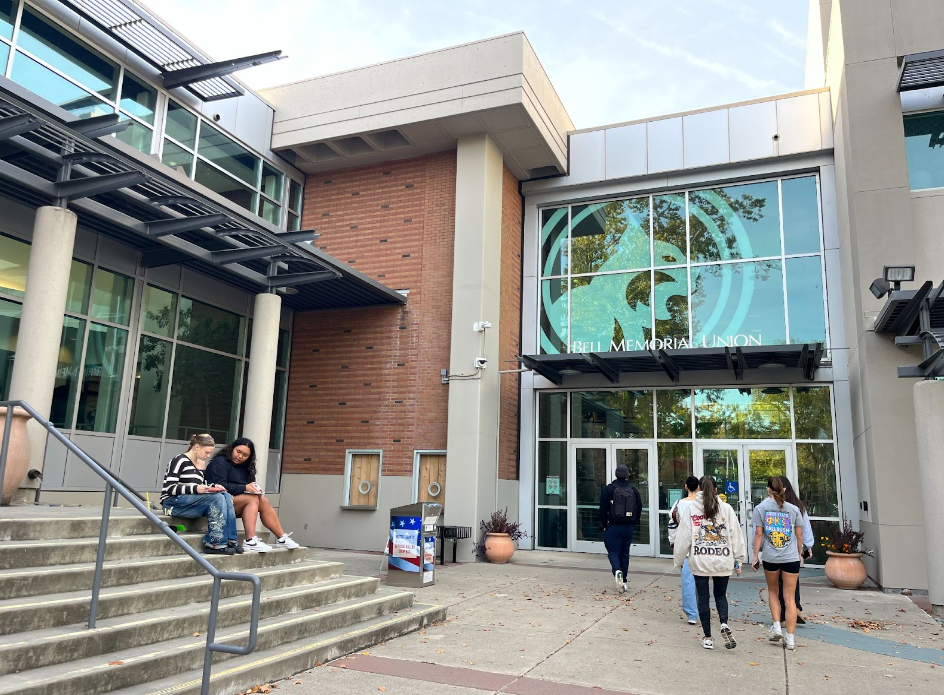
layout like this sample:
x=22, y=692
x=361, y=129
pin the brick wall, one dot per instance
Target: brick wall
x=509, y=339
x=369, y=378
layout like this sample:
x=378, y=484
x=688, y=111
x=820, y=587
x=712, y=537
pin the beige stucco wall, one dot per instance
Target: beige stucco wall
x=881, y=222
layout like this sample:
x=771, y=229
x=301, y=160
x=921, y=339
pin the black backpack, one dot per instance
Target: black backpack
x=624, y=506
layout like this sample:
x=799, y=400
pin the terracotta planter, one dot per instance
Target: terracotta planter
x=845, y=570
x=498, y=547
x=18, y=455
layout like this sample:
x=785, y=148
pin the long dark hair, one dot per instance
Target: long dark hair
x=250, y=463
x=777, y=490
x=790, y=494
x=709, y=497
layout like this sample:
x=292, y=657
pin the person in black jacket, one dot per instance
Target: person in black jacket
x=618, y=532
x=235, y=469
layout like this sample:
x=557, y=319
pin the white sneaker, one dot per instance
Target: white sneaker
x=692, y=621
x=708, y=643
x=286, y=542
x=256, y=545
x=775, y=634
x=625, y=587
x=789, y=642
x=729, y=641
x=619, y=580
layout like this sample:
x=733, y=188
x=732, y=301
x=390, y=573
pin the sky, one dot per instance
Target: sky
x=610, y=61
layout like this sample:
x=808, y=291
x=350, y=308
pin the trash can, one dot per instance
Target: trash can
x=411, y=545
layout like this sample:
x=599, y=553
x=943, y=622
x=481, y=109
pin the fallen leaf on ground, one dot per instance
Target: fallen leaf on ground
x=195, y=634
x=753, y=663
x=381, y=688
x=115, y=663
x=296, y=682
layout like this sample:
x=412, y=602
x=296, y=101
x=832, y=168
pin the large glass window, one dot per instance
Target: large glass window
x=101, y=386
x=611, y=414
x=67, y=372
x=9, y=329
x=7, y=16
x=747, y=413
x=209, y=327
x=924, y=144
x=227, y=154
x=56, y=89
x=204, y=394
x=703, y=268
x=150, y=387
x=111, y=297
x=71, y=57
x=14, y=263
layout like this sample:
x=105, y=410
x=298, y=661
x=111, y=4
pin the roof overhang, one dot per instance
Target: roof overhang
x=778, y=363
x=916, y=317
x=423, y=104
x=47, y=157
x=921, y=71
x=181, y=64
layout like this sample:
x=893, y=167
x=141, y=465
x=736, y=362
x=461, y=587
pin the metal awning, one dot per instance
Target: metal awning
x=181, y=64
x=916, y=317
x=921, y=71
x=779, y=363
x=47, y=157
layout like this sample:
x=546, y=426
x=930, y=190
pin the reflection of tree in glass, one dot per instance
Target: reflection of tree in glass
x=598, y=236
x=745, y=208
x=154, y=352
x=720, y=414
x=674, y=414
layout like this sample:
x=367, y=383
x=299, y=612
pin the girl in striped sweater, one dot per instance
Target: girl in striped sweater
x=186, y=494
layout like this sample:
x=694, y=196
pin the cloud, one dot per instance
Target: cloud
x=788, y=36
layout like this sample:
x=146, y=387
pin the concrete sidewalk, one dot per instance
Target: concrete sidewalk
x=552, y=624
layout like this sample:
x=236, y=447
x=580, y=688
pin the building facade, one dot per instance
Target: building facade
x=485, y=307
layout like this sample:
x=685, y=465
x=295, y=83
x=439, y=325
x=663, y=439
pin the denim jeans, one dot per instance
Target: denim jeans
x=720, y=590
x=217, y=507
x=617, y=539
x=689, y=601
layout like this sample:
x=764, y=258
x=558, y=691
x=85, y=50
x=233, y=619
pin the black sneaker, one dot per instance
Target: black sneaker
x=800, y=620
x=210, y=550
x=236, y=547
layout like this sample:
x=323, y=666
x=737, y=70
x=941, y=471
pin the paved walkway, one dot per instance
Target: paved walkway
x=552, y=624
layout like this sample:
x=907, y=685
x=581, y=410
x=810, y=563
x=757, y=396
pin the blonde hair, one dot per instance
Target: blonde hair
x=201, y=440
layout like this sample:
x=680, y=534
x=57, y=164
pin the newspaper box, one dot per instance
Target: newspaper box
x=411, y=545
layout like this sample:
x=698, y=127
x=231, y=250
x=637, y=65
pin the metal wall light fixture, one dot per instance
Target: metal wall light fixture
x=892, y=275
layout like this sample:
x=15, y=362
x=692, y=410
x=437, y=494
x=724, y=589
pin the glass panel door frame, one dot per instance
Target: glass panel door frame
x=610, y=448
x=745, y=505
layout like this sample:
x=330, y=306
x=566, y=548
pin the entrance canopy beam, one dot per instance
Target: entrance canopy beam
x=598, y=360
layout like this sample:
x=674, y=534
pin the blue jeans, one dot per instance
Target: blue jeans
x=616, y=539
x=689, y=599
x=217, y=507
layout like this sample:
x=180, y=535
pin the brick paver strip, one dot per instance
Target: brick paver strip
x=465, y=677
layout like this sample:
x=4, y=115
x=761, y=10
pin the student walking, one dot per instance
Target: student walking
x=778, y=533
x=689, y=600
x=808, y=543
x=620, y=506
x=709, y=536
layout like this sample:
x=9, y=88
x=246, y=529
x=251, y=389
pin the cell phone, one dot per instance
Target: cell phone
x=755, y=565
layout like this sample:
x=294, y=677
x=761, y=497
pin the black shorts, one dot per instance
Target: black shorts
x=788, y=567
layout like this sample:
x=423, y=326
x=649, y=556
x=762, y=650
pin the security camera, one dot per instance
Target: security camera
x=480, y=362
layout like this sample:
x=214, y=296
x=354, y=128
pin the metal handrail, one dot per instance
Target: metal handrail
x=113, y=483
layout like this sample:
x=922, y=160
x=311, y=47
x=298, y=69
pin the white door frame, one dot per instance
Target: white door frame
x=610, y=447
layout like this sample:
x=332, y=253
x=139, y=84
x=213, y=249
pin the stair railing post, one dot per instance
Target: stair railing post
x=100, y=558
x=5, y=446
x=211, y=636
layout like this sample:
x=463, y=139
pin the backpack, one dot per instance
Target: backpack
x=625, y=505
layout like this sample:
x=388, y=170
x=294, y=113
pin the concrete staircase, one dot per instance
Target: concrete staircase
x=154, y=607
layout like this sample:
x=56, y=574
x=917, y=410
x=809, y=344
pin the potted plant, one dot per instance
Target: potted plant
x=844, y=566
x=500, y=536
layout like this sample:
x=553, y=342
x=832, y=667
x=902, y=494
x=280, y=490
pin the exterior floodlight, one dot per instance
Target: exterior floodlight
x=898, y=274
x=879, y=288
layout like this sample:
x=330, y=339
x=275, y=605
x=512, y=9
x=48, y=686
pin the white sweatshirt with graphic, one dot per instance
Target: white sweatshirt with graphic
x=711, y=545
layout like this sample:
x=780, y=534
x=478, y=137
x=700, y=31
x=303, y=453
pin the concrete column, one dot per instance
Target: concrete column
x=44, y=305
x=929, y=413
x=472, y=436
x=260, y=383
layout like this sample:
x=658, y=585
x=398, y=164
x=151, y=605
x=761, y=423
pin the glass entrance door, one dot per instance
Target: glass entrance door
x=741, y=471
x=594, y=467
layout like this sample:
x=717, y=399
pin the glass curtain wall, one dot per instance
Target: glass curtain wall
x=94, y=343
x=722, y=266
x=677, y=420
x=62, y=68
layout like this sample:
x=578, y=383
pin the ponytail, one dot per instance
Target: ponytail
x=201, y=440
x=775, y=484
x=710, y=502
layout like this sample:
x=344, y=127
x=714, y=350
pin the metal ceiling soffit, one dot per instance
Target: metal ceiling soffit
x=916, y=317
x=921, y=71
x=180, y=63
x=805, y=357
x=84, y=168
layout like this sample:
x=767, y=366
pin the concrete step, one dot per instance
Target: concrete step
x=68, y=551
x=266, y=665
x=131, y=667
x=34, y=613
x=36, y=581
x=122, y=523
x=20, y=652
